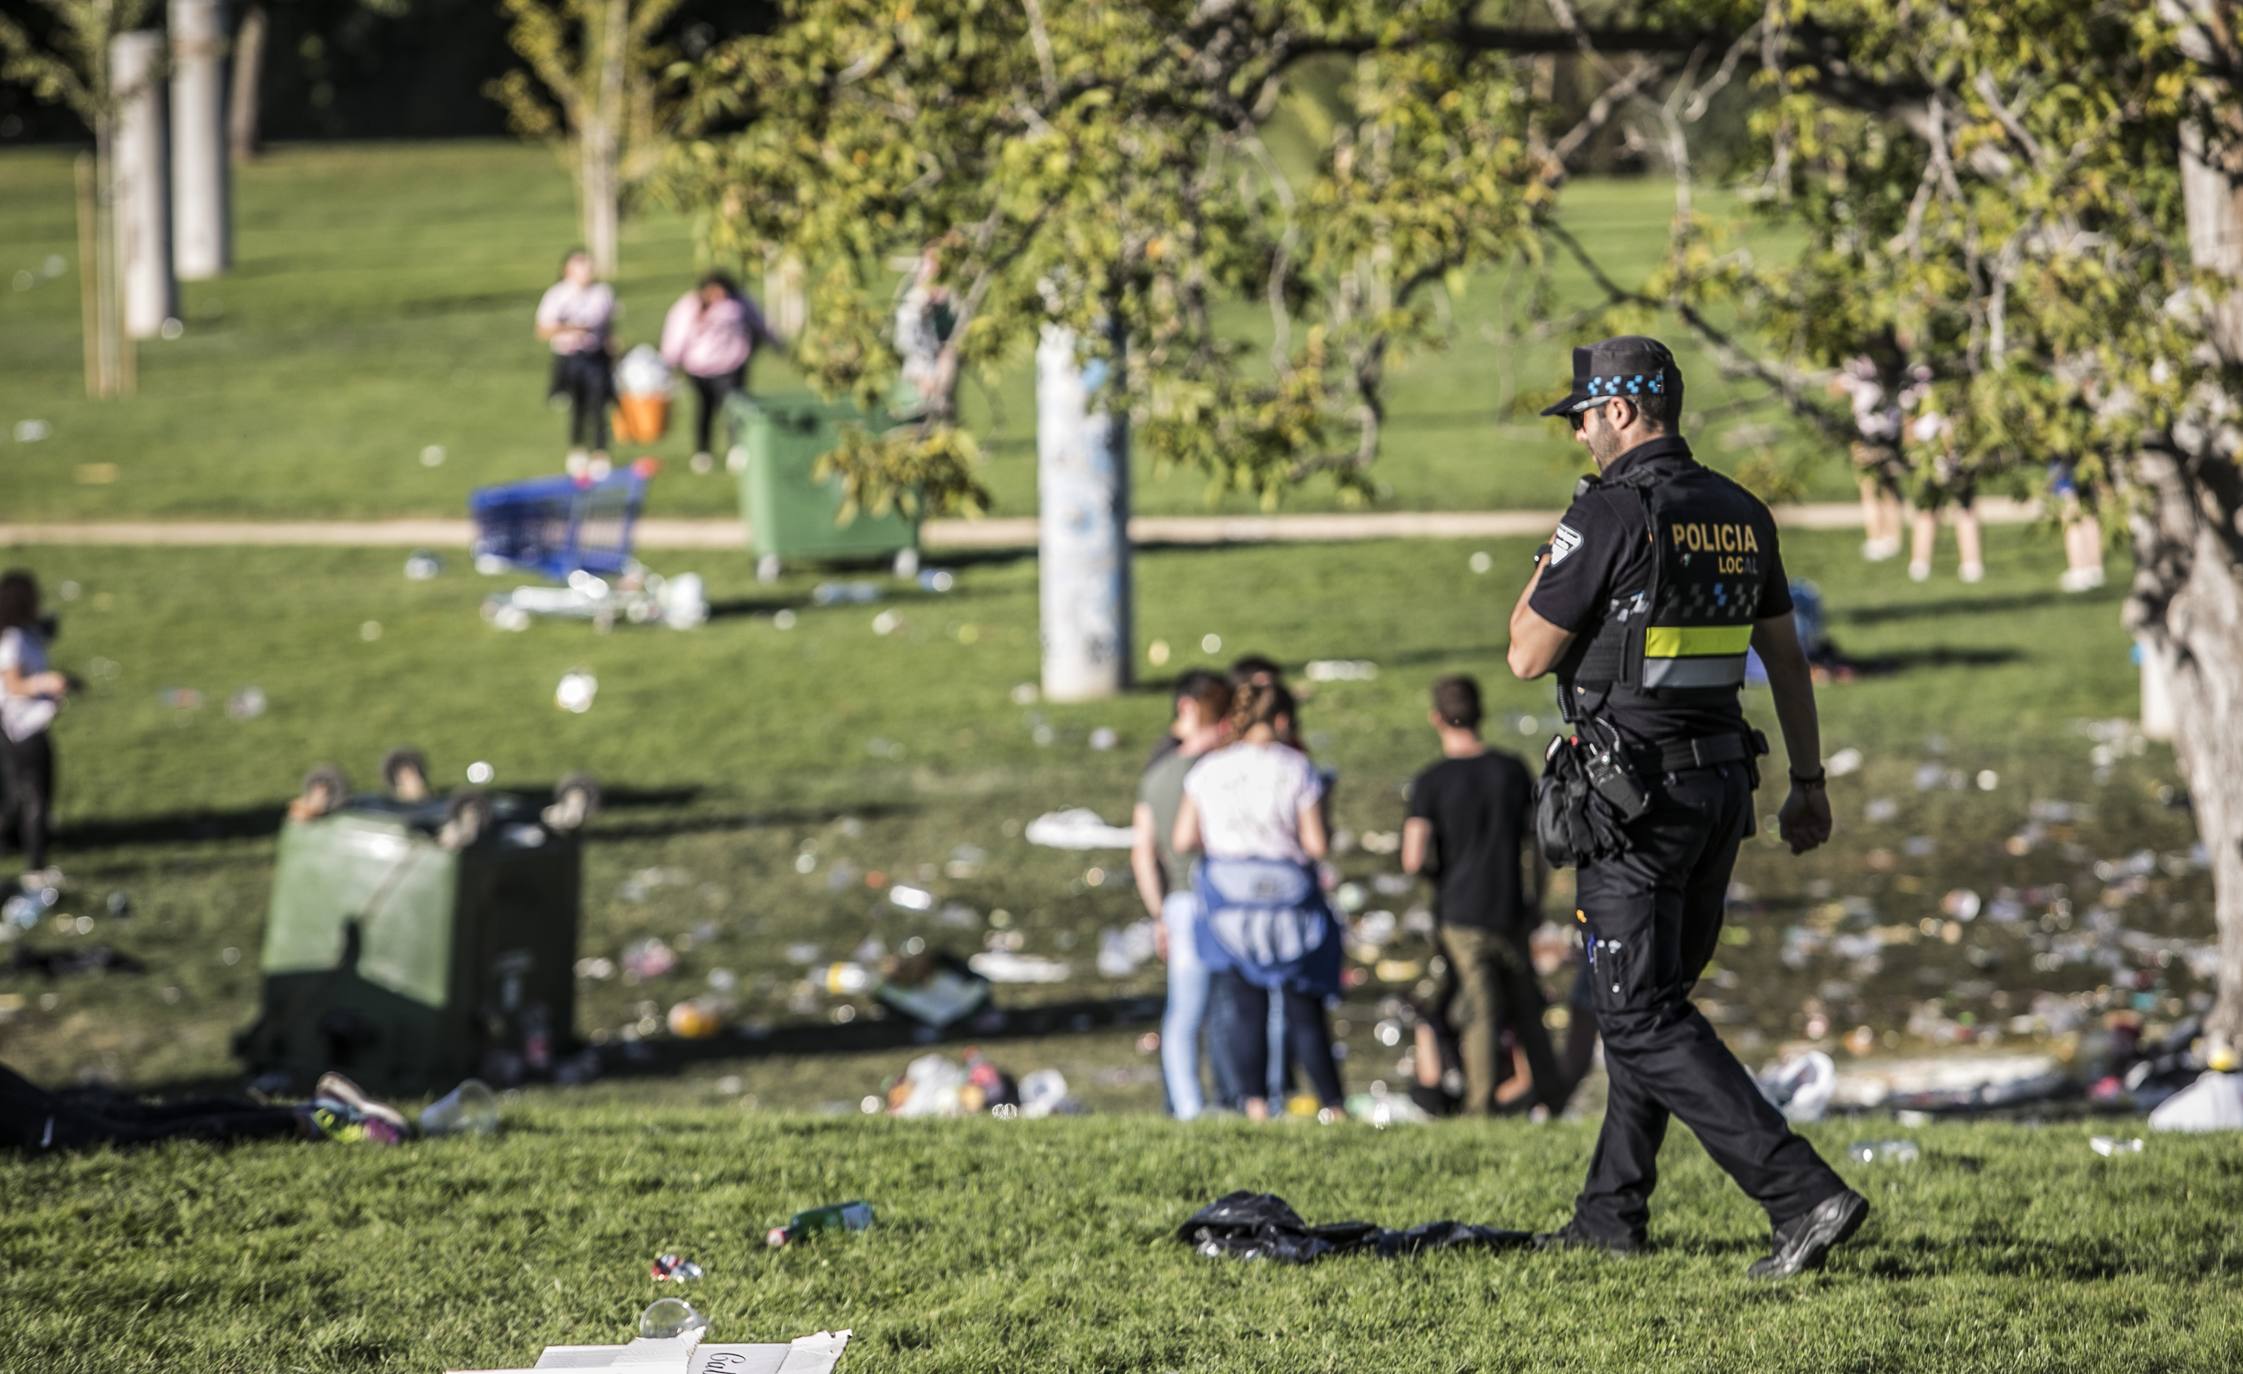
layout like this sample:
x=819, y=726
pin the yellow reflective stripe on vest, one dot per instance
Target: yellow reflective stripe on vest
x=1695, y=641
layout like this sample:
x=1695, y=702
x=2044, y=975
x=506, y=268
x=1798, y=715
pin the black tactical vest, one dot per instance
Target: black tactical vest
x=1684, y=636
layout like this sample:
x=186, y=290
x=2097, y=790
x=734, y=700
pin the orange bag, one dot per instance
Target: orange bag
x=641, y=419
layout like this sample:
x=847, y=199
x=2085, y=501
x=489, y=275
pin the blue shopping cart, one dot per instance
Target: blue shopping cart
x=557, y=526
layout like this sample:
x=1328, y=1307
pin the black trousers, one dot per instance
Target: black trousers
x=1649, y=922
x=589, y=385
x=712, y=392
x=27, y=795
x=33, y=1119
x=1244, y=1044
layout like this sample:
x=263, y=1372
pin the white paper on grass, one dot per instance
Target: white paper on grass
x=1078, y=828
x=818, y=1354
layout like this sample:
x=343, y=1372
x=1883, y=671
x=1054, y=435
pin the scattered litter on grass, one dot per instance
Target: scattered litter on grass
x=1077, y=828
x=2214, y=1102
x=835, y=1219
x=1800, y=1086
x=1883, y=1152
x=2112, y=1146
x=576, y=691
x=469, y=1109
x=480, y=773
x=246, y=704
x=673, y=1269
x=1341, y=670
x=1005, y=966
x=669, y=1318
x=1103, y=739
x=844, y=593
x=937, y=580
x=32, y=431
x=1122, y=952
x=432, y=456
x=648, y=957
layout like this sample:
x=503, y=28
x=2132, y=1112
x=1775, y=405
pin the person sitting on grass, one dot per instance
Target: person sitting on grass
x=1265, y=929
x=36, y=1121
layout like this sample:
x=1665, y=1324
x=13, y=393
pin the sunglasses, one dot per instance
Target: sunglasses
x=1581, y=416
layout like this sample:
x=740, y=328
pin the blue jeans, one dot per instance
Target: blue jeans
x=1186, y=1014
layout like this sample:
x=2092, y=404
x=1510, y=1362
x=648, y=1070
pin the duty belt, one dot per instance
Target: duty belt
x=1707, y=751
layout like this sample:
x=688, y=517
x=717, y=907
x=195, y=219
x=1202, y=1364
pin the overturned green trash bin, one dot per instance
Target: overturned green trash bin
x=792, y=514
x=409, y=958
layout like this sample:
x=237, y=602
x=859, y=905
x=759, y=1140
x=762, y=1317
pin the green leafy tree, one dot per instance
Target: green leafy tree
x=600, y=82
x=2039, y=198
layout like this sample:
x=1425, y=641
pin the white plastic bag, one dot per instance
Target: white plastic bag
x=642, y=373
x=2214, y=1102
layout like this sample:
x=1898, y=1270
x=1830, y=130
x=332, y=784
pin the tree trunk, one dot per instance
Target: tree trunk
x=600, y=144
x=141, y=200
x=201, y=220
x=248, y=74
x=1082, y=490
x=596, y=193
x=2188, y=587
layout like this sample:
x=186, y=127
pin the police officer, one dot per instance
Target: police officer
x=1644, y=602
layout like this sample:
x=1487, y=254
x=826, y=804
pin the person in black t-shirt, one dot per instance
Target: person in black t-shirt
x=1471, y=815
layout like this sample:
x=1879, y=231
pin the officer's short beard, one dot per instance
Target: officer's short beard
x=1605, y=443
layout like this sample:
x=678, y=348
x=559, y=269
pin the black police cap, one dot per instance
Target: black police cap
x=1631, y=365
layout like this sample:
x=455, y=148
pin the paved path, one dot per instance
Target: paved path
x=1010, y=533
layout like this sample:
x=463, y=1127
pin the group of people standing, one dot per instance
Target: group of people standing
x=1232, y=827
x=709, y=335
x=1897, y=423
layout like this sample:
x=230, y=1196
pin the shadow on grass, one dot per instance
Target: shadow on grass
x=657, y=1058
x=1953, y=605
x=264, y=819
x=668, y=1056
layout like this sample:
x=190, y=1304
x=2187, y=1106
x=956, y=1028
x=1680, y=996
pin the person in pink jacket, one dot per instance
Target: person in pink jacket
x=709, y=335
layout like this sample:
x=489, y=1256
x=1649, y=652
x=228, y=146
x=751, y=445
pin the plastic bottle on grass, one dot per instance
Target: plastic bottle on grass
x=841, y=1216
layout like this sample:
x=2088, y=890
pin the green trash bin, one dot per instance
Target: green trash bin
x=792, y=514
x=410, y=964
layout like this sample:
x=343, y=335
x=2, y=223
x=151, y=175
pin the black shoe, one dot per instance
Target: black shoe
x=1574, y=1236
x=1804, y=1242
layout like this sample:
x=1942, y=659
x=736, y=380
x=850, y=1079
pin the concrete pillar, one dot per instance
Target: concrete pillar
x=1082, y=489
x=143, y=207
x=201, y=199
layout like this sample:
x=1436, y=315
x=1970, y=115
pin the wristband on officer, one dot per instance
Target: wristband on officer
x=1813, y=784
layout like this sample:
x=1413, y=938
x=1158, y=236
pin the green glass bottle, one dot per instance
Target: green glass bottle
x=841, y=1216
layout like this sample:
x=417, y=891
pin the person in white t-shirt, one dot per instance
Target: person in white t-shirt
x=1253, y=809
x=574, y=318
x=30, y=695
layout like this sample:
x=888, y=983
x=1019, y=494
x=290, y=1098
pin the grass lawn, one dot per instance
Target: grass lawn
x=380, y=305
x=1045, y=1245
x=771, y=771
